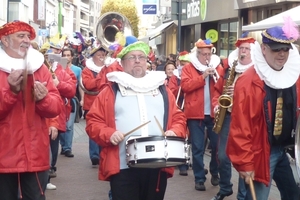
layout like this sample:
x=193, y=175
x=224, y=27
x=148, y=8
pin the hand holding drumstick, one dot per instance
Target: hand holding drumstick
x=249, y=177
x=167, y=133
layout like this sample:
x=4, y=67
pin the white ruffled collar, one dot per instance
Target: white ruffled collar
x=91, y=65
x=214, y=62
x=152, y=80
x=34, y=61
x=282, y=79
x=239, y=68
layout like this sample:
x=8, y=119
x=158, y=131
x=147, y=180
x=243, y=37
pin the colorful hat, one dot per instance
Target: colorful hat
x=281, y=37
x=184, y=56
x=98, y=48
x=132, y=44
x=16, y=26
x=244, y=39
x=55, y=46
x=204, y=43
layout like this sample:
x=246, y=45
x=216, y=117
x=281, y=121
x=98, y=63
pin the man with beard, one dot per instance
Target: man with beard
x=28, y=96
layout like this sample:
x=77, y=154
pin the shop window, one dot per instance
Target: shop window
x=227, y=38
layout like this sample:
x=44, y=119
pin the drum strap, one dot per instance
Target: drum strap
x=141, y=103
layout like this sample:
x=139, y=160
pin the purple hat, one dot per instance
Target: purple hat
x=281, y=37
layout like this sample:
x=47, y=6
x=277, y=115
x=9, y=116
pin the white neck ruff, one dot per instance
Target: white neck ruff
x=34, y=61
x=91, y=65
x=239, y=68
x=282, y=79
x=214, y=62
x=152, y=80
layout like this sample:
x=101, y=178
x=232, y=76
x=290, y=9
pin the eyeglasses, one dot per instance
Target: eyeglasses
x=203, y=54
x=244, y=48
x=133, y=58
x=284, y=49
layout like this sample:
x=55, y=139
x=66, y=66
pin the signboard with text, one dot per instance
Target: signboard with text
x=150, y=9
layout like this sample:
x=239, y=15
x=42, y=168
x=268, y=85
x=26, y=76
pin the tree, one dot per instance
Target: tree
x=126, y=8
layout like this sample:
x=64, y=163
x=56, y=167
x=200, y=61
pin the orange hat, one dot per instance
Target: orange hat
x=244, y=39
x=16, y=26
x=204, y=43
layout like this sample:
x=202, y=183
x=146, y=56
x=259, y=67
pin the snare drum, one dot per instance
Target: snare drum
x=156, y=152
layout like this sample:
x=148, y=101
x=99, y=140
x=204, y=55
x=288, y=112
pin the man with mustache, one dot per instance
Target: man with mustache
x=91, y=80
x=242, y=56
x=28, y=96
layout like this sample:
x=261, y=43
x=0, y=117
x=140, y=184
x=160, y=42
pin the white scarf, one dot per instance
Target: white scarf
x=91, y=65
x=239, y=68
x=152, y=80
x=214, y=62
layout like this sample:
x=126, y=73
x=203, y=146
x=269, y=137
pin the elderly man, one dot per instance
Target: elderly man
x=28, y=96
x=132, y=98
x=197, y=82
x=264, y=114
x=238, y=61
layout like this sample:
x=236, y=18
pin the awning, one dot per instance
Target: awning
x=159, y=30
x=276, y=20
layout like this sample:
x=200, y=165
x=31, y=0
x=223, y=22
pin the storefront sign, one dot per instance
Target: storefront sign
x=149, y=9
x=193, y=9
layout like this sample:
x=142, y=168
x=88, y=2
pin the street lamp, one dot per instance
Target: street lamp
x=54, y=23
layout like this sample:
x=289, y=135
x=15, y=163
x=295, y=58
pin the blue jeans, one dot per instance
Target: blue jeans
x=282, y=174
x=197, y=135
x=66, y=139
x=225, y=164
x=94, y=149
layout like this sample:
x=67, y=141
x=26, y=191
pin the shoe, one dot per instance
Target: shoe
x=215, y=180
x=62, y=152
x=50, y=186
x=221, y=196
x=52, y=173
x=200, y=186
x=95, y=161
x=69, y=154
x=183, y=173
x=205, y=171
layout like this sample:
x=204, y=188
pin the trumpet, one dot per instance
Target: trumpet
x=215, y=76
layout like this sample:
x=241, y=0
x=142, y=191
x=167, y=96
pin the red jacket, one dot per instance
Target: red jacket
x=192, y=84
x=67, y=90
x=248, y=146
x=24, y=138
x=101, y=125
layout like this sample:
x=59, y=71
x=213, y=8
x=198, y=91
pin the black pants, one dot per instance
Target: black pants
x=139, y=184
x=54, y=145
x=32, y=185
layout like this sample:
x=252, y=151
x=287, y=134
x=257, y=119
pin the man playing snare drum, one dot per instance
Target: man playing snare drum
x=133, y=98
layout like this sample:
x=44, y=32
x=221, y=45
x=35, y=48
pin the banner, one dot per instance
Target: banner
x=165, y=3
x=41, y=10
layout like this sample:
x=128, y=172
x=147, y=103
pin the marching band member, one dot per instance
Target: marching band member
x=242, y=56
x=264, y=114
x=132, y=98
x=91, y=79
x=28, y=97
x=197, y=84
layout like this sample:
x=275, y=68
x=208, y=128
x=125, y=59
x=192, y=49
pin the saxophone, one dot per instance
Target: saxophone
x=225, y=101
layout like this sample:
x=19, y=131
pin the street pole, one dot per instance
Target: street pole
x=59, y=17
x=179, y=26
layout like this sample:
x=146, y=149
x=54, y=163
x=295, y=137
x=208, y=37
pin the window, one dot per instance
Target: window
x=227, y=38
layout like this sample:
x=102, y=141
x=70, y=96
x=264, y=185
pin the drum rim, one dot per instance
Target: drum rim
x=154, y=138
x=133, y=163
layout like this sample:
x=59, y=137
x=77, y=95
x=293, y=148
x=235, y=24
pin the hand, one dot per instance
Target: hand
x=40, y=90
x=209, y=71
x=170, y=133
x=230, y=90
x=216, y=108
x=55, y=81
x=81, y=103
x=247, y=176
x=14, y=80
x=53, y=132
x=116, y=137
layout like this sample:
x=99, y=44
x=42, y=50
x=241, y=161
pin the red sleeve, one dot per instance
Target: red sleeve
x=66, y=86
x=88, y=80
x=173, y=85
x=191, y=79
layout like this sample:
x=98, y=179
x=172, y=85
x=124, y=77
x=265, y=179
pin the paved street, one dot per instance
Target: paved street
x=78, y=180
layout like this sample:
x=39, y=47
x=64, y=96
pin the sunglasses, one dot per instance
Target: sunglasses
x=284, y=49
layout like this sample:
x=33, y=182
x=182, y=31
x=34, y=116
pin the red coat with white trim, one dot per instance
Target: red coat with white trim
x=101, y=125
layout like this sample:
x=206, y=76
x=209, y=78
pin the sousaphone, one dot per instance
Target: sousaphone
x=109, y=24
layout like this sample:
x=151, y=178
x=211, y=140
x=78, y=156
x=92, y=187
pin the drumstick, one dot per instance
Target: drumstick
x=140, y=126
x=160, y=127
x=252, y=189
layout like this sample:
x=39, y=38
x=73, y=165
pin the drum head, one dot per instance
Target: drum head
x=154, y=138
x=297, y=146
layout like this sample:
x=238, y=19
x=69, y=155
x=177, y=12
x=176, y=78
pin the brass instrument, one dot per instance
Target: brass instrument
x=108, y=26
x=177, y=99
x=224, y=101
x=216, y=75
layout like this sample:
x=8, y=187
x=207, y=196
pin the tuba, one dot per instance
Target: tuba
x=225, y=101
x=108, y=26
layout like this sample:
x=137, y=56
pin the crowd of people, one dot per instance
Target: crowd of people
x=243, y=107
